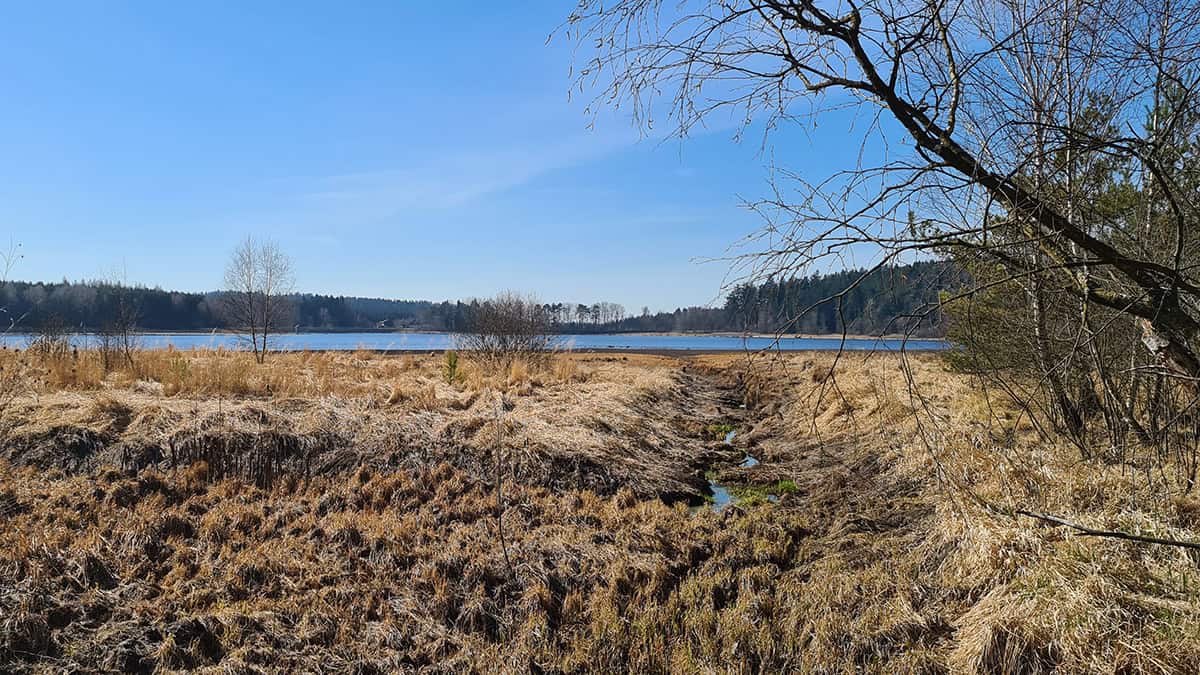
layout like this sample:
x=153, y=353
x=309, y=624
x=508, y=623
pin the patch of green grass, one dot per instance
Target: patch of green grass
x=719, y=431
x=753, y=498
x=786, y=487
x=751, y=495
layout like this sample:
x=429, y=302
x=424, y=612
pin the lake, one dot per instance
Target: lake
x=443, y=341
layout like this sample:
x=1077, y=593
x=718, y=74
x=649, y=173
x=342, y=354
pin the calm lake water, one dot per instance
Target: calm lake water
x=442, y=341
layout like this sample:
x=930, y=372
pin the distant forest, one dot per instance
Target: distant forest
x=896, y=299
x=882, y=302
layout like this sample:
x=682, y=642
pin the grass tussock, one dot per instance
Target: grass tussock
x=370, y=572
x=321, y=411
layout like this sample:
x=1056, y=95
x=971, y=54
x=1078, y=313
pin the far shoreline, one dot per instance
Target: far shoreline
x=378, y=331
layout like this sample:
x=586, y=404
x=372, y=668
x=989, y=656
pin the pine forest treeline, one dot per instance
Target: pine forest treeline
x=884, y=301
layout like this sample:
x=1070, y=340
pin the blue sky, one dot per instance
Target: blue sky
x=413, y=150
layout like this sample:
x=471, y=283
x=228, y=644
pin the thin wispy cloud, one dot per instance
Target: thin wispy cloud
x=455, y=178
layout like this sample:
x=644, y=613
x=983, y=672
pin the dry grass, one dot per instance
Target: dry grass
x=386, y=558
x=217, y=372
x=904, y=496
x=376, y=573
x=584, y=421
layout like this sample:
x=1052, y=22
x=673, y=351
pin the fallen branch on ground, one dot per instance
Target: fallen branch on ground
x=1113, y=534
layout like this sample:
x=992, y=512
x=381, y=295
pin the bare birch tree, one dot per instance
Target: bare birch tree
x=258, y=281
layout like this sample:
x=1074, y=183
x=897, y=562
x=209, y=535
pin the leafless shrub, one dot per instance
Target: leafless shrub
x=117, y=339
x=507, y=327
x=52, y=340
x=13, y=368
x=8, y=259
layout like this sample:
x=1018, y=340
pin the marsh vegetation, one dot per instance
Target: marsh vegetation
x=339, y=511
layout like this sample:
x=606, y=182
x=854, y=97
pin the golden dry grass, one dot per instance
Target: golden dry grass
x=913, y=503
x=586, y=421
x=386, y=557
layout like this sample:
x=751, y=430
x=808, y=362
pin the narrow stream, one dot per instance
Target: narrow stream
x=721, y=497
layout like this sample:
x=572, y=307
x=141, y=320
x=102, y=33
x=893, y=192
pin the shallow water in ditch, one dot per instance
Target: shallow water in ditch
x=721, y=497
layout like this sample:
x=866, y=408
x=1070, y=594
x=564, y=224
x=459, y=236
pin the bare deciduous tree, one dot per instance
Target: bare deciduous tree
x=1050, y=148
x=978, y=90
x=258, y=281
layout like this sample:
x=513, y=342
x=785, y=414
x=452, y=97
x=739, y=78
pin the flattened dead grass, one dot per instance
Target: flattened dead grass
x=589, y=422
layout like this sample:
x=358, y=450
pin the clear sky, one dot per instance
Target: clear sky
x=395, y=149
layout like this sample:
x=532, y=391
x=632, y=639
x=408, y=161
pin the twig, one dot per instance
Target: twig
x=1113, y=534
x=500, y=493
